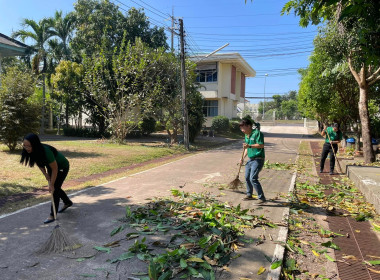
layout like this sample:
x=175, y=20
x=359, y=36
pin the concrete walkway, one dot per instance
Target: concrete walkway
x=367, y=180
x=95, y=213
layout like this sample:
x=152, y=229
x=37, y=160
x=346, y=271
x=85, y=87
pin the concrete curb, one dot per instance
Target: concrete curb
x=279, y=252
x=364, y=179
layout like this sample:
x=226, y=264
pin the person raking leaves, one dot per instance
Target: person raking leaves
x=253, y=148
x=334, y=134
x=53, y=165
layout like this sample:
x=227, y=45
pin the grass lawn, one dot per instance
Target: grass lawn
x=86, y=157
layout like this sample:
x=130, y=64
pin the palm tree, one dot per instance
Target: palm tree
x=63, y=28
x=40, y=33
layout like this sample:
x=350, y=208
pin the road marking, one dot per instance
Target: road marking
x=208, y=177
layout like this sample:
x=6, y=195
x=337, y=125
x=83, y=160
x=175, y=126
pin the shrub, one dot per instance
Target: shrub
x=220, y=123
x=234, y=126
x=19, y=113
x=147, y=126
x=84, y=132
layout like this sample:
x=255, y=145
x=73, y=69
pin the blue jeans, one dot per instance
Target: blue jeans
x=252, y=170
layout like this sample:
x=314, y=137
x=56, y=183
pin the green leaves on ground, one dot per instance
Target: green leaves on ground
x=278, y=165
x=203, y=234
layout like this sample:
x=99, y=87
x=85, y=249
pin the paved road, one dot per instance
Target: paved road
x=96, y=210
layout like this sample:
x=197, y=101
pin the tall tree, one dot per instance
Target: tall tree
x=40, y=32
x=359, y=22
x=100, y=22
x=63, y=27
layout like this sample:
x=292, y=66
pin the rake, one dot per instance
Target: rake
x=59, y=241
x=234, y=184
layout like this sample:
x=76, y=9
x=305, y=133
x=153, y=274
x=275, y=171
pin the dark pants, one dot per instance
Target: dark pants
x=325, y=151
x=252, y=170
x=58, y=192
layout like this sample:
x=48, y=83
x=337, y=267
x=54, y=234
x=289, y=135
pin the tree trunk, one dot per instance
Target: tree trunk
x=67, y=114
x=360, y=78
x=365, y=123
x=51, y=117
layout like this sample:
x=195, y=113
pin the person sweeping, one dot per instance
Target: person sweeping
x=253, y=148
x=334, y=135
x=53, y=165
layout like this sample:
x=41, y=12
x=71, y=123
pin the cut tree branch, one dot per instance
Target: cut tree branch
x=354, y=73
x=374, y=77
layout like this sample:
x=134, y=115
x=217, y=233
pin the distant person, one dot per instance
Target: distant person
x=53, y=165
x=254, y=148
x=335, y=135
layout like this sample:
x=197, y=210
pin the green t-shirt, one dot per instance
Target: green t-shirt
x=334, y=136
x=256, y=137
x=61, y=160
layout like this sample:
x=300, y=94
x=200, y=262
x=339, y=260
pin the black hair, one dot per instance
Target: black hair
x=246, y=121
x=37, y=156
x=336, y=125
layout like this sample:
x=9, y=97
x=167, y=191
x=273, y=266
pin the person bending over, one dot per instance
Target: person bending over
x=53, y=165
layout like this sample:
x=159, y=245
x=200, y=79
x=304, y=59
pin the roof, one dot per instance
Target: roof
x=234, y=58
x=11, y=47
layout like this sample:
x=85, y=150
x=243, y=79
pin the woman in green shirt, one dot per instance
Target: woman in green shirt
x=53, y=165
x=334, y=134
x=253, y=147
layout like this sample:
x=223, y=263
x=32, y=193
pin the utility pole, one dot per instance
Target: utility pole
x=183, y=84
x=172, y=38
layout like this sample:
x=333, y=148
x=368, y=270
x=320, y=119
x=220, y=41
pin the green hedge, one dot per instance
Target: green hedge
x=84, y=132
x=220, y=124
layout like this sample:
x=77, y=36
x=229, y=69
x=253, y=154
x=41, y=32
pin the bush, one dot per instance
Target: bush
x=220, y=124
x=19, y=114
x=84, y=132
x=234, y=126
x=159, y=126
x=147, y=126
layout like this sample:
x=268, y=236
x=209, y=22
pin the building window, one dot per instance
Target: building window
x=210, y=108
x=206, y=76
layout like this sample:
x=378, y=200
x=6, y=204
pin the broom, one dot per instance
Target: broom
x=59, y=241
x=234, y=184
x=336, y=158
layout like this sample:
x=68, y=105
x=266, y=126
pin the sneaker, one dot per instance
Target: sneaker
x=331, y=172
x=320, y=170
x=260, y=202
x=248, y=197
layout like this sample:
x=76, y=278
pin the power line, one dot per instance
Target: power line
x=255, y=34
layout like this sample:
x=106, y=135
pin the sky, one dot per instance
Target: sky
x=271, y=44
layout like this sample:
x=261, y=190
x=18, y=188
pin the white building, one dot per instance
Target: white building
x=222, y=77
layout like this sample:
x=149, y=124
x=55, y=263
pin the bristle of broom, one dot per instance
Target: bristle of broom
x=59, y=241
x=235, y=183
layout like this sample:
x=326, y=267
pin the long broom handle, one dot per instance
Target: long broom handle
x=337, y=161
x=55, y=212
x=241, y=161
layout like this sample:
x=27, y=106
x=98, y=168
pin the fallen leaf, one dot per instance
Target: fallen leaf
x=210, y=261
x=373, y=270
x=374, y=257
x=356, y=230
x=315, y=253
x=261, y=270
x=226, y=268
x=350, y=257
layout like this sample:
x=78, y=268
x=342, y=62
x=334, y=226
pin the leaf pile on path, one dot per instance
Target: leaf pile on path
x=308, y=242
x=202, y=235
